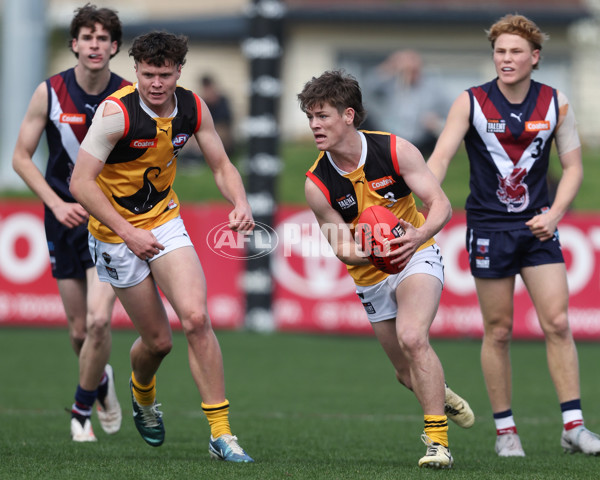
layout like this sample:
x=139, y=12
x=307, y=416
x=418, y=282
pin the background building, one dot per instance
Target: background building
x=351, y=34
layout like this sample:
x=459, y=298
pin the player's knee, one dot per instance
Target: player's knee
x=196, y=323
x=498, y=332
x=98, y=333
x=161, y=346
x=412, y=342
x=98, y=325
x=557, y=326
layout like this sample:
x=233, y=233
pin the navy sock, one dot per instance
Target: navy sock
x=570, y=405
x=84, y=400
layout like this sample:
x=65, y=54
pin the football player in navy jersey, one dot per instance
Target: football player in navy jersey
x=508, y=125
x=357, y=169
x=63, y=107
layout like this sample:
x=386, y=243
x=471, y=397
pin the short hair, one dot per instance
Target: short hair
x=338, y=88
x=518, y=25
x=88, y=16
x=159, y=48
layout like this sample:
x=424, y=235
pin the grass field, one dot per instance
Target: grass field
x=194, y=182
x=305, y=407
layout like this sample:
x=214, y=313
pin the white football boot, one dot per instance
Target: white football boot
x=109, y=411
x=82, y=433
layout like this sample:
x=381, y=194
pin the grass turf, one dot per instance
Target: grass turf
x=305, y=407
x=195, y=183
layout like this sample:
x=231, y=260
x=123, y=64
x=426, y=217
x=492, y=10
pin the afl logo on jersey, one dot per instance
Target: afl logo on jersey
x=141, y=143
x=73, y=118
x=180, y=140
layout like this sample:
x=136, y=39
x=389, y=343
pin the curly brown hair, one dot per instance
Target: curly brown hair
x=159, y=48
x=88, y=16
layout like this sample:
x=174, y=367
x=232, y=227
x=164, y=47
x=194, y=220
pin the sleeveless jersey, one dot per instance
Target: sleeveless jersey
x=508, y=146
x=377, y=182
x=138, y=175
x=70, y=113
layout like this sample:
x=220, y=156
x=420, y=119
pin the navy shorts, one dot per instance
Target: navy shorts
x=504, y=253
x=68, y=247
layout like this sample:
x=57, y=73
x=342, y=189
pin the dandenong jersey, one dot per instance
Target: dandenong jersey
x=509, y=149
x=138, y=175
x=70, y=113
x=377, y=181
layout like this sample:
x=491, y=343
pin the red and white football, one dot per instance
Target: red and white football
x=376, y=224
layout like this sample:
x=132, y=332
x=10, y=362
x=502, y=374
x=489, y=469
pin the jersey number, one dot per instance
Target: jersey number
x=538, y=148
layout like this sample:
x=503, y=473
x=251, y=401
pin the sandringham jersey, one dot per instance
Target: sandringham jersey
x=139, y=172
x=378, y=181
x=70, y=113
x=509, y=148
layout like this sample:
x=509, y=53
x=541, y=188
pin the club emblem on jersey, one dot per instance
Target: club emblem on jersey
x=512, y=192
x=146, y=198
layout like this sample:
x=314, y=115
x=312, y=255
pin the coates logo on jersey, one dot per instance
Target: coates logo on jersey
x=73, y=118
x=537, y=125
x=141, y=143
x=240, y=246
x=180, y=140
x=381, y=183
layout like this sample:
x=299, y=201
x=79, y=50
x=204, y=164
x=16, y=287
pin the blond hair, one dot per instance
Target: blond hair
x=518, y=25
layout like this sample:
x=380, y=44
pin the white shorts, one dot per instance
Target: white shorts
x=379, y=300
x=120, y=267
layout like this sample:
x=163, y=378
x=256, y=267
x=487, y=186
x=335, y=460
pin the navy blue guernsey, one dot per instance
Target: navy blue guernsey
x=70, y=113
x=509, y=149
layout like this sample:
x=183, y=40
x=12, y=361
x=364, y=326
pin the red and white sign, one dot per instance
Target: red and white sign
x=313, y=292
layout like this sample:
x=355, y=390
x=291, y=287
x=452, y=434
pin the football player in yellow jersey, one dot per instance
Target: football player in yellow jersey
x=356, y=169
x=124, y=177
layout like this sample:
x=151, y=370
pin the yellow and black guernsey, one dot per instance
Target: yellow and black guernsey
x=377, y=181
x=139, y=172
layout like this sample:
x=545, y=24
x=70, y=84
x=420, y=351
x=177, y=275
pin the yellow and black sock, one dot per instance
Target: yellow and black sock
x=144, y=394
x=218, y=418
x=436, y=428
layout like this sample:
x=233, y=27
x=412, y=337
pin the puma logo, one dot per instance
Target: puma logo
x=91, y=108
x=518, y=117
